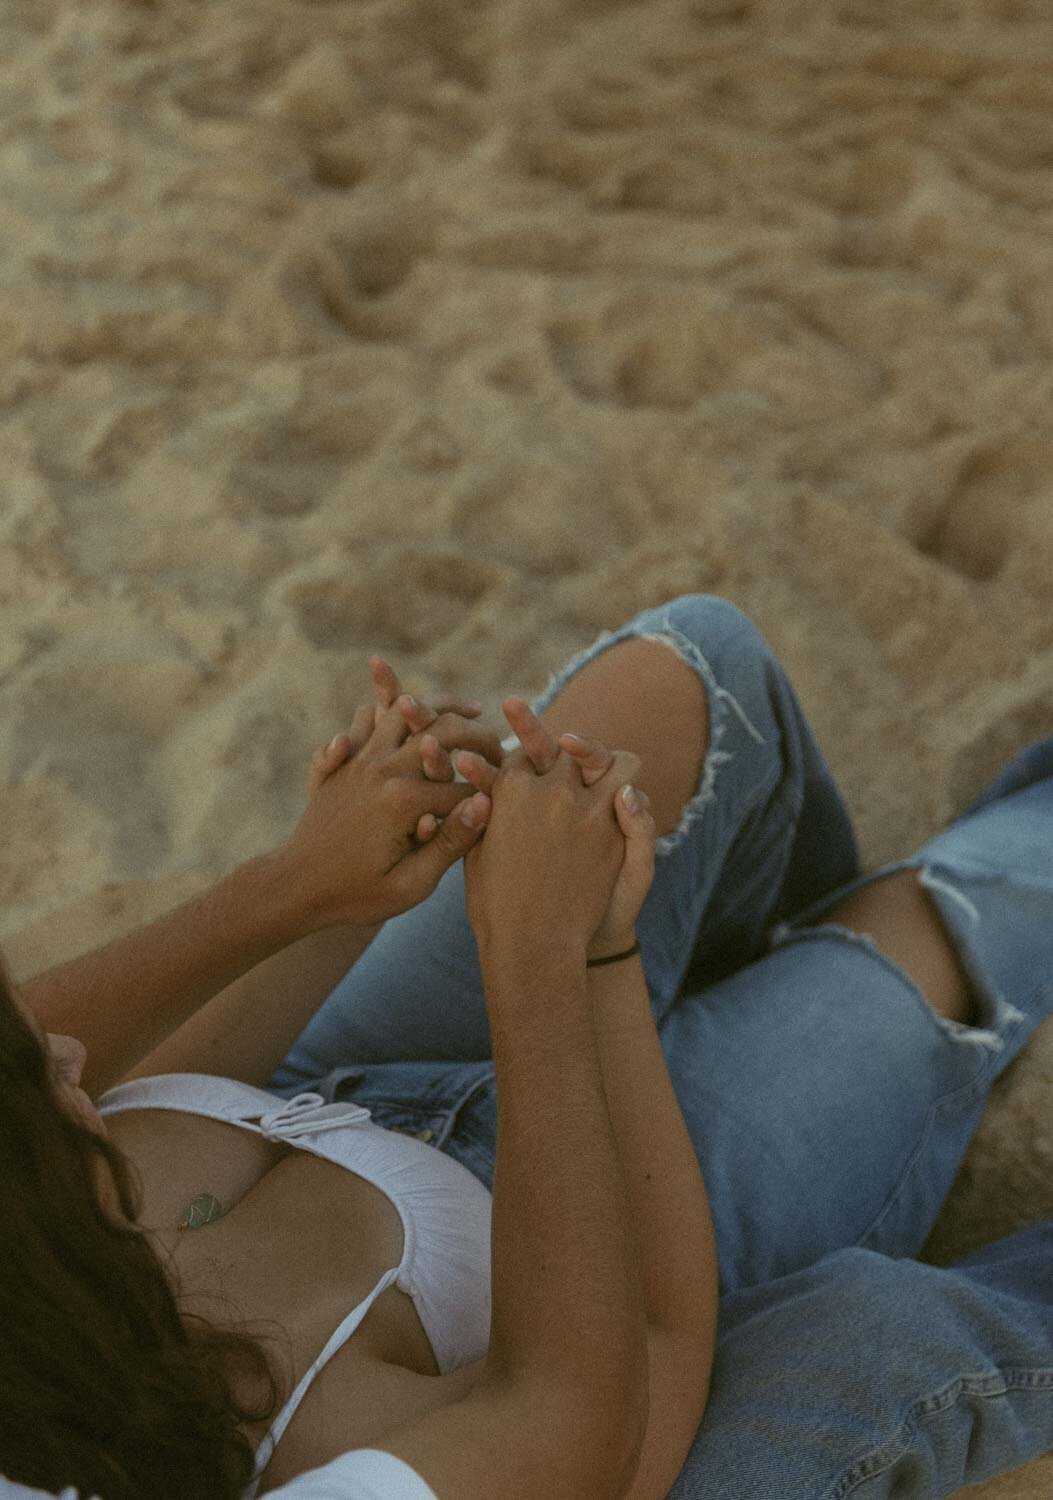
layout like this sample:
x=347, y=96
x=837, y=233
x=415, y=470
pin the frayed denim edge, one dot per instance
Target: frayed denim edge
x=998, y=1013
x=1001, y=1383
x=667, y=634
x=975, y=1036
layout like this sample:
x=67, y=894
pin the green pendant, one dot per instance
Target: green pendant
x=204, y=1210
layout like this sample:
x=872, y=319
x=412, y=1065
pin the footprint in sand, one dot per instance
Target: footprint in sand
x=1013, y=717
x=615, y=101
x=368, y=605
x=986, y=511
x=383, y=248
x=720, y=12
x=651, y=348
x=93, y=719
x=531, y=244
x=350, y=158
x=295, y=462
x=359, y=278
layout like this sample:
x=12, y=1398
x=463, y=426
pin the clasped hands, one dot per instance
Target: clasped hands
x=386, y=818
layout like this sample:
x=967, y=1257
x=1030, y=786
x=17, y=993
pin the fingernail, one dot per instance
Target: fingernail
x=631, y=800
x=575, y=737
x=332, y=743
x=468, y=812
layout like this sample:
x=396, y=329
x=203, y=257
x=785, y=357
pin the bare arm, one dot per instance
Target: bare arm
x=346, y=863
x=246, y=1030
x=662, y=1187
x=667, y=1197
x=669, y=1213
x=560, y=1404
x=527, y=1423
x=124, y=999
x=566, y=1299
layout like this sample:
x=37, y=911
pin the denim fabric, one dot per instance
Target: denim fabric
x=829, y=1105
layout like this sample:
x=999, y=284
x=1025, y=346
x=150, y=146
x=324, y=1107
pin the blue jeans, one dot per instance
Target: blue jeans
x=829, y=1105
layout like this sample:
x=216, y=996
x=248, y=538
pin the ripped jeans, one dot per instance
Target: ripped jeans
x=829, y=1105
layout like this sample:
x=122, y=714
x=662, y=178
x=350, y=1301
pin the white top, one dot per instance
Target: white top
x=445, y=1266
x=365, y=1474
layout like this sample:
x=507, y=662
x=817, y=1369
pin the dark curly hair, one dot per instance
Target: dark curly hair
x=104, y=1383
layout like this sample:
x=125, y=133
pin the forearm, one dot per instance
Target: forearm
x=124, y=999
x=246, y=1030
x=667, y=1201
x=566, y=1299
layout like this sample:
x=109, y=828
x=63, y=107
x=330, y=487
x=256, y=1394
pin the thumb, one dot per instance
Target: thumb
x=639, y=826
x=452, y=842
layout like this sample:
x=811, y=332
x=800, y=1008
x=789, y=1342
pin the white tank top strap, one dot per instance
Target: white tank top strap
x=339, y=1338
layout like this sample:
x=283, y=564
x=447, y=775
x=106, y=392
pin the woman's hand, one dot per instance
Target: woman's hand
x=616, y=930
x=357, y=844
x=547, y=836
x=435, y=761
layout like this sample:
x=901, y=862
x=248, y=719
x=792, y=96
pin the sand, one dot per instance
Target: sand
x=461, y=332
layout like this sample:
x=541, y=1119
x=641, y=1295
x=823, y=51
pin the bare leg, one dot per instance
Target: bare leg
x=641, y=696
x=900, y=916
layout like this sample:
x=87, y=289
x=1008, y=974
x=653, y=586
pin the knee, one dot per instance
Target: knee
x=709, y=621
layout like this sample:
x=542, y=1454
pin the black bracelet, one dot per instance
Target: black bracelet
x=593, y=963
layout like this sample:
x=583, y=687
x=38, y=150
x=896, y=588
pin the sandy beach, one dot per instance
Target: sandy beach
x=463, y=331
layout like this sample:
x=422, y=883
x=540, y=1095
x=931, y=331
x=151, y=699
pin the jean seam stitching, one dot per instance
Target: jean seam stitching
x=958, y=1096
x=873, y=1463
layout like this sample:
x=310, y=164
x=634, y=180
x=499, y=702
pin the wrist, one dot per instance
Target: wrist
x=512, y=952
x=292, y=878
